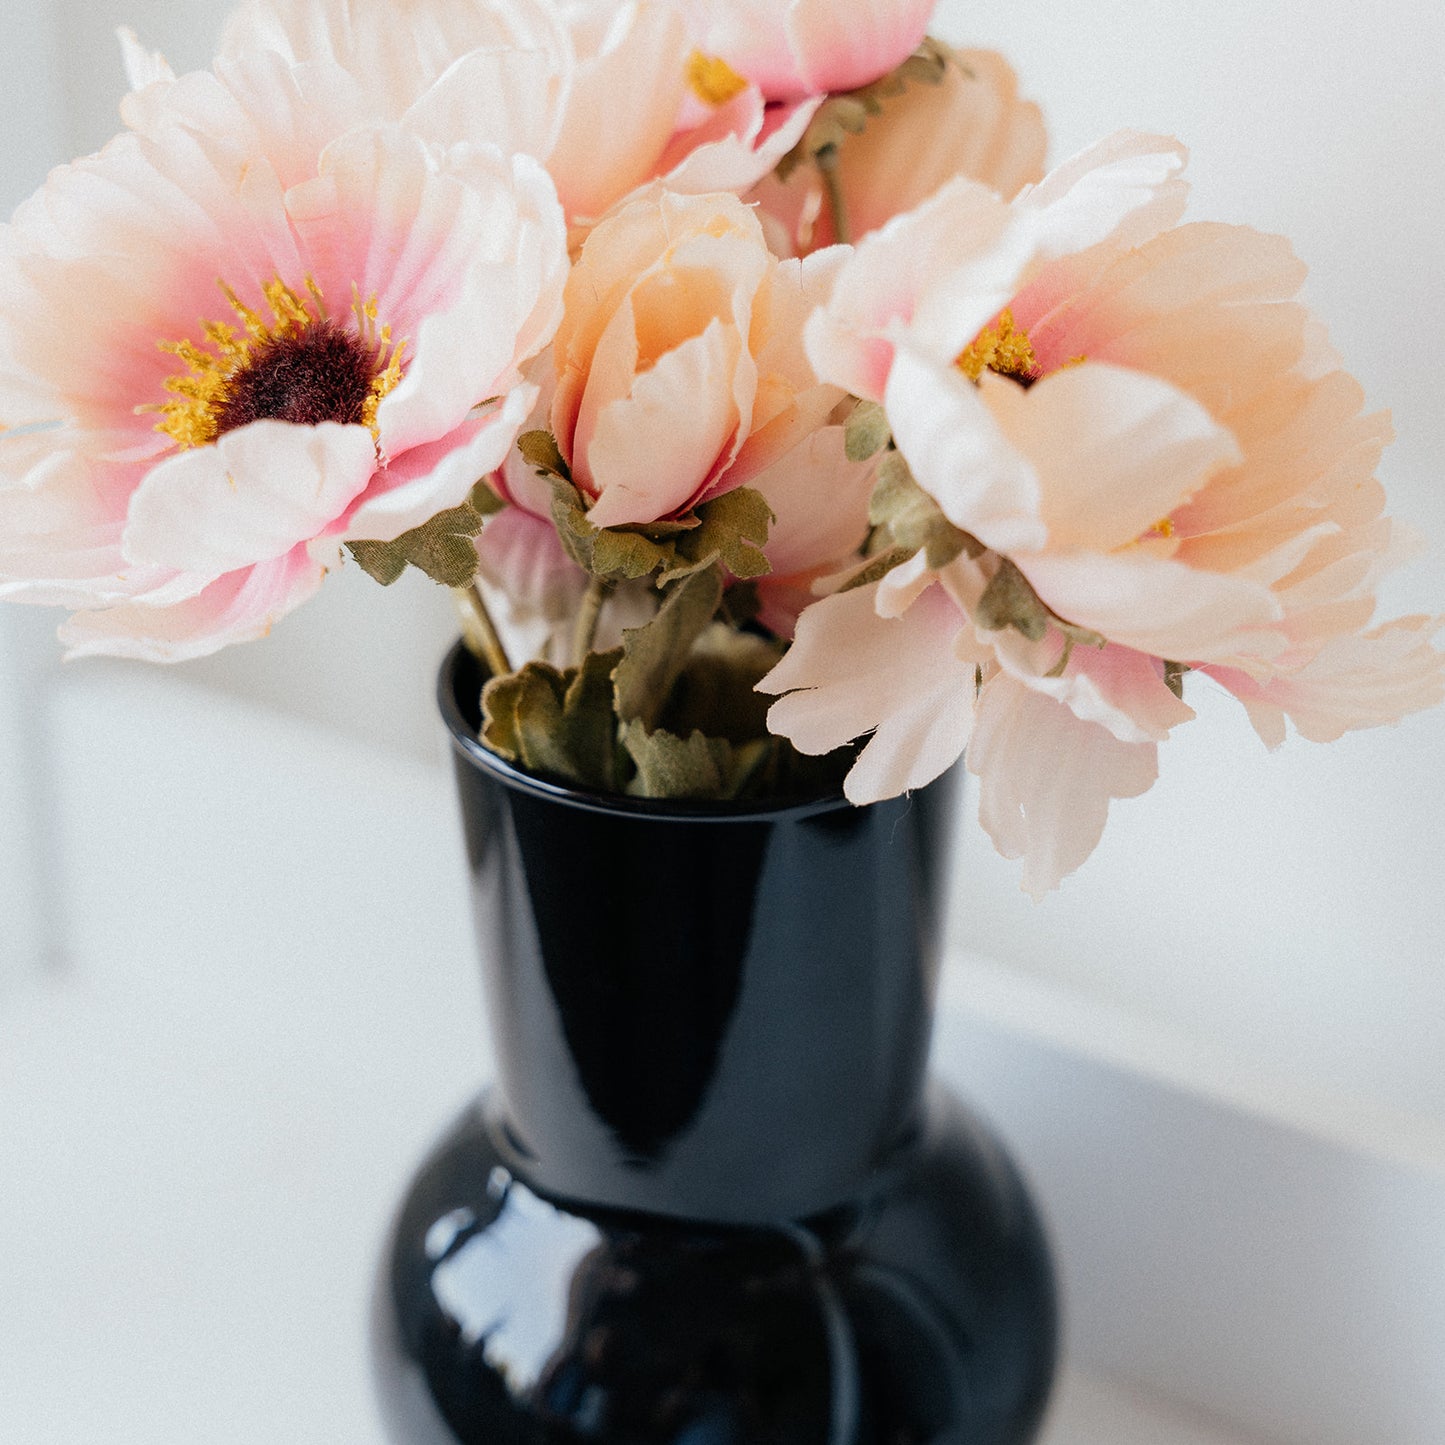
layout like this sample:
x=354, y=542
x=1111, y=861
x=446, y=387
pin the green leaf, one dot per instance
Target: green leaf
x=716, y=692
x=653, y=657
x=614, y=556
x=877, y=567
x=1174, y=674
x=734, y=531
x=560, y=724
x=1009, y=601
x=540, y=450
x=867, y=432
x=442, y=547
x=913, y=519
x=696, y=767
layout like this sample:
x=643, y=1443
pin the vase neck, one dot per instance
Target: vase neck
x=714, y=1019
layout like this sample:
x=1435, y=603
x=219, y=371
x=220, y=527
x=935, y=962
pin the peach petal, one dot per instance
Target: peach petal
x=1114, y=450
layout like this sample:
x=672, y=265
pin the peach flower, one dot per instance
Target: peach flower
x=609, y=96
x=680, y=365
x=231, y=367
x=795, y=48
x=972, y=124
x=1148, y=437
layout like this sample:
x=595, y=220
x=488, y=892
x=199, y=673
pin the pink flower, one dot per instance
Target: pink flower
x=680, y=367
x=972, y=125
x=237, y=366
x=796, y=48
x=1145, y=432
x=609, y=97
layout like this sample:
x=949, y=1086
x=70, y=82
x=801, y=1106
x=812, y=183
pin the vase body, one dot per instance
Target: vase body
x=711, y=1199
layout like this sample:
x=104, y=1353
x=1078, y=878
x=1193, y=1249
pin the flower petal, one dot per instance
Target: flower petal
x=252, y=497
x=1047, y=779
x=239, y=607
x=1114, y=451
x=434, y=478
x=851, y=672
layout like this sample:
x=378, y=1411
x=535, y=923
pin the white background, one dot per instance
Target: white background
x=1278, y=920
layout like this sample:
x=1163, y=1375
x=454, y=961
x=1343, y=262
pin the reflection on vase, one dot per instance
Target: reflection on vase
x=709, y=1199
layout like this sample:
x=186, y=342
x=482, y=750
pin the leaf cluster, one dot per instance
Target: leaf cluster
x=444, y=547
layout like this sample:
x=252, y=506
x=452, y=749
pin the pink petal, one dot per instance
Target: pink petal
x=252, y=497
x=239, y=607
x=655, y=451
x=851, y=672
x=441, y=475
x=1047, y=779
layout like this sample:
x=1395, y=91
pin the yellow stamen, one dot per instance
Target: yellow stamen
x=1001, y=348
x=712, y=79
x=201, y=392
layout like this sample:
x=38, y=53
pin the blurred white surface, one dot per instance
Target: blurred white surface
x=204, y=1129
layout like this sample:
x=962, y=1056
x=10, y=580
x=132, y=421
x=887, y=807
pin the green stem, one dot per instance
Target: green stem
x=827, y=160
x=480, y=632
x=589, y=617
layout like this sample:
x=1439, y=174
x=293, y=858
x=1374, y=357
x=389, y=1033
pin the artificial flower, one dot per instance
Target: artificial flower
x=680, y=367
x=232, y=376
x=797, y=48
x=1155, y=467
x=610, y=97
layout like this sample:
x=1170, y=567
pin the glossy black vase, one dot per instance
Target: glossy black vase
x=711, y=1200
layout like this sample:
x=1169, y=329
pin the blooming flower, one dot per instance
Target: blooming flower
x=680, y=367
x=241, y=356
x=610, y=97
x=795, y=48
x=1156, y=468
x=971, y=124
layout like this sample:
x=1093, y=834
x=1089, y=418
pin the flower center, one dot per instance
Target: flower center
x=1002, y=349
x=712, y=79
x=300, y=366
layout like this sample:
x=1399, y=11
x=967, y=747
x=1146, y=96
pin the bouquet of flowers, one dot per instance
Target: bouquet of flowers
x=778, y=421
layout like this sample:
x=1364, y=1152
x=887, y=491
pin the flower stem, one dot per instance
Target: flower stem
x=480, y=632
x=588, y=618
x=827, y=160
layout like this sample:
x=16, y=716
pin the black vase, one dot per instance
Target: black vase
x=710, y=1200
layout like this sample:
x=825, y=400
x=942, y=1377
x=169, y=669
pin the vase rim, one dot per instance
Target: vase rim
x=467, y=743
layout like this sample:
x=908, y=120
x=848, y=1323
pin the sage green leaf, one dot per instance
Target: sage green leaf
x=867, y=432
x=540, y=450
x=441, y=547
x=913, y=519
x=734, y=530
x=696, y=768
x=559, y=724
x=653, y=657
x=716, y=692
x=1010, y=601
x=1074, y=636
x=612, y=555
x=876, y=568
